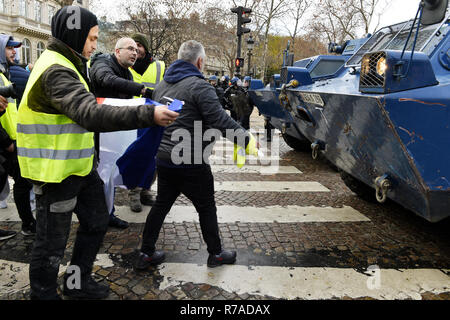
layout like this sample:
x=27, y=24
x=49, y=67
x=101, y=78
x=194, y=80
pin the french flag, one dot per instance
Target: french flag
x=128, y=158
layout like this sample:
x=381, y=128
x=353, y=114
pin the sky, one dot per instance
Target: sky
x=399, y=11
x=395, y=12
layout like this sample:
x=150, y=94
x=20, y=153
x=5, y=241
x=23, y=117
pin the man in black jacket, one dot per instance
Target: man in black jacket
x=192, y=175
x=111, y=78
x=110, y=75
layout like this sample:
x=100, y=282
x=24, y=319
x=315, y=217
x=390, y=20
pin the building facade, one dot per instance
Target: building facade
x=29, y=21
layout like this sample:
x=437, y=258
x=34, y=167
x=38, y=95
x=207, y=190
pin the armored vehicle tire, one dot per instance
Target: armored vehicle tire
x=361, y=189
x=296, y=144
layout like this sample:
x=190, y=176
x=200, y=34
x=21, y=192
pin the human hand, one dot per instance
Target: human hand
x=3, y=103
x=163, y=116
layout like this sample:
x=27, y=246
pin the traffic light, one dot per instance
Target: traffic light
x=243, y=18
x=239, y=62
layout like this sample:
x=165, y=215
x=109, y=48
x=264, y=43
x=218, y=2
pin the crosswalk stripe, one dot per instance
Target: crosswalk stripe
x=309, y=283
x=277, y=282
x=228, y=159
x=270, y=186
x=232, y=214
x=255, y=169
x=265, y=186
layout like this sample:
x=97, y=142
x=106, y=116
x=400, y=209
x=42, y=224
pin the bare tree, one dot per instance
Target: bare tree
x=335, y=20
x=297, y=10
x=366, y=10
x=338, y=20
x=268, y=11
x=166, y=23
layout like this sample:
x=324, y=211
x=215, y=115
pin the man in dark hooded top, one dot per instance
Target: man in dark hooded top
x=57, y=117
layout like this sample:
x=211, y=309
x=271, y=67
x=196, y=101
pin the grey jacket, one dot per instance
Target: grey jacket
x=202, y=106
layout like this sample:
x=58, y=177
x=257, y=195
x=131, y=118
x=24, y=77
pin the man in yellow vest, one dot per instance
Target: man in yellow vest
x=5, y=234
x=150, y=72
x=8, y=134
x=55, y=141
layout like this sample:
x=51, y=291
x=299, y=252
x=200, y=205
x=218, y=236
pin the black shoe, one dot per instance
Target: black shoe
x=225, y=257
x=90, y=289
x=29, y=229
x=117, y=223
x=4, y=234
x=146, y=198
x=144, y=261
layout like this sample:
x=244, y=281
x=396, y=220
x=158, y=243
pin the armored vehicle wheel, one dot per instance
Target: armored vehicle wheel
x=361, y=189
x=296, y=144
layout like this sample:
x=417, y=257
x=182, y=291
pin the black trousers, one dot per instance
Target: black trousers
x=21, y=188
x=55, y=204
x=197, y=184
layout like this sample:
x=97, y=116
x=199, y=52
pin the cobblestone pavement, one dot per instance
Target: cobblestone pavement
x=391, y=237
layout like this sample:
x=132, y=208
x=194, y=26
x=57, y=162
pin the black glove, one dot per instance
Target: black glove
x=148, y=93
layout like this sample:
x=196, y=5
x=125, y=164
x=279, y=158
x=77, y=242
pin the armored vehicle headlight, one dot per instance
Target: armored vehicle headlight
x=385, y=71
x=373, y=72
x=381, y=66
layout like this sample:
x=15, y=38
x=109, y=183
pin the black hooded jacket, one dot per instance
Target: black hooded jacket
x=111, y=80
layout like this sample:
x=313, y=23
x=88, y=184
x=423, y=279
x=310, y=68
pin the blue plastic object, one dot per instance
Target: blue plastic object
x=174, y=104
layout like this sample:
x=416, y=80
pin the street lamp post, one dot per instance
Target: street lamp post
x=250, y=46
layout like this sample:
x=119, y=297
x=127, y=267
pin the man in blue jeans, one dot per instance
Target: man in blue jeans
x=192, y=175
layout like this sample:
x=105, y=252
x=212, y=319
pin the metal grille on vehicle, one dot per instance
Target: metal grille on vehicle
x=370, y=78
x=284, y=75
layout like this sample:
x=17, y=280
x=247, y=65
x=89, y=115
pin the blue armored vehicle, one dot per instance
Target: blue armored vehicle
x=319, y=67
x=384, y=118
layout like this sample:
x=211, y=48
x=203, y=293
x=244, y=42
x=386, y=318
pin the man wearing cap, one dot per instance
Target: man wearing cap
x=57, y=119
x=8, y=137
x=150, y=72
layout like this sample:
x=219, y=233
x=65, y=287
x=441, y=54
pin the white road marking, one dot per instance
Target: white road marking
x=228, y=159
x=265, y=186
x=308, y=283
x=255, y=169
x=232, y=214
x=270, y=186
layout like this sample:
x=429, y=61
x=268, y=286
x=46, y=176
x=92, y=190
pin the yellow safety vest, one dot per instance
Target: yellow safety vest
x=52, y=147
x=152, y=76
x=9, y=119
